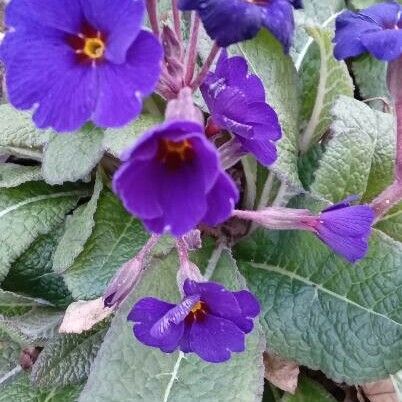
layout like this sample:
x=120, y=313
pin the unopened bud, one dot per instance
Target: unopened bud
x=183, y=108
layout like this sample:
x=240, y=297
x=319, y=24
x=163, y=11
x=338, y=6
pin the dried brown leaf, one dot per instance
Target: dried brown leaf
x=82, y=315
x=380, y=391
x=282, y=373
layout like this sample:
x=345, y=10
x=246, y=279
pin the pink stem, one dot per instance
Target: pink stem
x=205, y=68
x=392, y=195
x=176, y=20
x=387, y=199
x=152, y=9
x=192, y=48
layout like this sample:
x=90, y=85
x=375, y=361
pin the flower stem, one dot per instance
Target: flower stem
x=387, y=199
x=152, y=9
x=205, y=68
x=392, y=195
x=176, y=20
x=192, y=48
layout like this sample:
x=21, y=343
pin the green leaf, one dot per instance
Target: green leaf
x=314, y=12
x=323, y=79
x=10, y=350
x=18, y=131
x=370, y=76
x=32, y=274
x=21, y=390
x=84, y=147
x=125, y=370
x=323, y=312
x=382, y=164
x=116, y=237
x=266, y=59
x=28, y=211
x=116, y=140
x=66, y=359
x=391, y=224
x=309, y=391
x=78, y=229
x=347, y=163
x=12, y=304
x=12, y=175
x=359, y=4
x=35, y=326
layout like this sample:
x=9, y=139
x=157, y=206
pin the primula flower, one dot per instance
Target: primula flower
x=236, y=100
x=376, y=30
x=342, y=227
x=232, y=21
x=172, y=180
x=79, y=60
x=210, y=321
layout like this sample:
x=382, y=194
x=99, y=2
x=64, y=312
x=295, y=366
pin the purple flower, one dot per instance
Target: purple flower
x=76, y=60
x=232, y=21
x=346, y=229
x=342, y=227
x=376, y=30
x=236, y=100
x=172, y=180
x=210, y=321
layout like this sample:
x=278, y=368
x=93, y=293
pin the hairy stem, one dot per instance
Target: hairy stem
x=191, y=56
x=152, y=10
x=392, y=195
x=205, y=68
x=176, y=20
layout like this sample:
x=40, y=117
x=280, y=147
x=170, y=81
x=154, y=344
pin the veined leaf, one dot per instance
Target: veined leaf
x=323, y=312
x=323, y=79
x=28, y=211
x=71, y=157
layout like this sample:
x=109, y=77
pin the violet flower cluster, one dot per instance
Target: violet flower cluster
x=78, y=61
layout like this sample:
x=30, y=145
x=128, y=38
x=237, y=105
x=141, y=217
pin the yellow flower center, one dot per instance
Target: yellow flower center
x=94, y=48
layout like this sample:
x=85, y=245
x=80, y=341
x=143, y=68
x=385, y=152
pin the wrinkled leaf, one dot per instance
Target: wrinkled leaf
x=70, y=157
x=323, y=312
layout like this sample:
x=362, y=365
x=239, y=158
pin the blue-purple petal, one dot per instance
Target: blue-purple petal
x=214, y=338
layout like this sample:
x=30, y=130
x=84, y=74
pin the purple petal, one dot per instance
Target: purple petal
x=117, y=104
x=226, y=22
x=135, y=183
x=278, y=19
x=349, y=29
x=221, y=201
x=144, y=59
x=384, y=45
x=69, y=102
x=219, y=301
x=352, y=249
x=120, y=21
x=350, y=221
x=64, y=15
x=174, y=317
x=145, y=313
x=250, y=308
x=185, y=346
x=262, y=148
x=26, y=82
x=384, y=14
x=214, y=338
x=343, y=204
